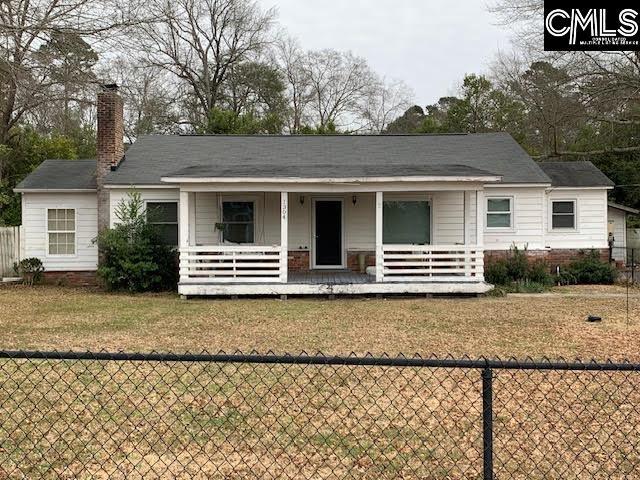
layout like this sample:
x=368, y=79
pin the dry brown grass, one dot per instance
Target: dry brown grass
x=126, y=420
x=59, y=318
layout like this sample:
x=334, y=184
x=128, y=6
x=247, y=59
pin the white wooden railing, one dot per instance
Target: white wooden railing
x=233, y=264
x=432, y=263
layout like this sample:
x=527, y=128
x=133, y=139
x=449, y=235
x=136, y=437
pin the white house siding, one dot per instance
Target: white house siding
x=531, y=207
x=34, y=220
x=591, y=231
x=448, y=217
x=531, y=219
x=207, y=214
x=147, y=195
x=527, y=219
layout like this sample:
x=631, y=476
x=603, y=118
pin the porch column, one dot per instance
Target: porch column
x=183, y=220
x=183, y=227
x=379, y=251
x=284, y=235
x=468, y=216
x=480, y=218
x=480, y=233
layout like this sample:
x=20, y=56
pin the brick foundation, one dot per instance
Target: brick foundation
x=554, y=257
x=72, y=279
x=298, y=261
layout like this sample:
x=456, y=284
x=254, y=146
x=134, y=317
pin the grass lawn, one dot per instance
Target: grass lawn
x=60, y=318
x=152, y=420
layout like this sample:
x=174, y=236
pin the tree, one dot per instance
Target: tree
x=607, y=83
x=481, y=107
x=28, y=149
x=297, y=84
x=201, y=41
x=409, y=122
x=149, y=95
x=553, y=105
x=70, y=61
x=257, y=89
x=340, y=85
x=30, y=32
x=385, y=102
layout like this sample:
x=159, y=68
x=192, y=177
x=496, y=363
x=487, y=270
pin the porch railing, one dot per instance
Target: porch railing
x=432, y=263
x=232, y=264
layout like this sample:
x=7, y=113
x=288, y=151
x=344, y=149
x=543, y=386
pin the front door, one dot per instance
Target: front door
x=327, y=232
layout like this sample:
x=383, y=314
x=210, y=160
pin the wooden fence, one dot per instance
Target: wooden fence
x=10, y=251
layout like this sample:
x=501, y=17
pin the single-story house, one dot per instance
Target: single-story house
x=317, y=214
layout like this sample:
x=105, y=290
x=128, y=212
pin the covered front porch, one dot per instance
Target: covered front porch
x=332, y=239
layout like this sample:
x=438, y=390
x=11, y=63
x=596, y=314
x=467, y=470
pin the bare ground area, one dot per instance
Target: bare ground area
x=158, y=420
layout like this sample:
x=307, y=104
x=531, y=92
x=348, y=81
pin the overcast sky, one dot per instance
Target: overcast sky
x=430, y=44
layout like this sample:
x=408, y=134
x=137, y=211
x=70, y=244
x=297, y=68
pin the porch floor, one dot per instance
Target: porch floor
x=332, y=282
x=330, y=277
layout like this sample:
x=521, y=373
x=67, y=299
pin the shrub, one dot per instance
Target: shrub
x=134, y=258
x=589, y=269
x=497, y=273
x=30, y=269
x=518, y=273
x=517, y=264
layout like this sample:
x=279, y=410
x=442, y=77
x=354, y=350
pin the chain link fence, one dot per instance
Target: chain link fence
x=105, y=415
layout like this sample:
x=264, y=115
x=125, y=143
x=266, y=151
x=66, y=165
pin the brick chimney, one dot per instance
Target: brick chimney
x=110, y=144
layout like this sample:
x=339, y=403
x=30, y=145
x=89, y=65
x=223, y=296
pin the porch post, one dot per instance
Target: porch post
x=480, y=233
x=479, y=218
x=183, y=220
x=379, y=251
x=183, y=226
x=468, y=216
x=284, y=235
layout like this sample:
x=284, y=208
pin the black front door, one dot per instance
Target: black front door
x=328, y=231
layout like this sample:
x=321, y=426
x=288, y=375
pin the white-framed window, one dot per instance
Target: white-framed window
x=406, y=222
x=563, y=214
x=61, y=231
x=500, y=212
x=164, y=215
x=238, y=221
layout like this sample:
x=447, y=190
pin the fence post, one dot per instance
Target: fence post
x=487, y=423
x=633, y=266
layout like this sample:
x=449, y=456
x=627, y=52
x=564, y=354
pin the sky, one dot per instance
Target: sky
x=430, y=44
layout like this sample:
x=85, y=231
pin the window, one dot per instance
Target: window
x=406, y=222
x=499, y=213
x=164, y=215
x=238, y=219
x=563, y=214
x=61, y=231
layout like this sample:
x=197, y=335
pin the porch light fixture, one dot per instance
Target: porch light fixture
x=301, y=199
x=354, y=199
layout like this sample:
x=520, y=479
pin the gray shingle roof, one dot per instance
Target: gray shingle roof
x=575, y=174
x=154, y=157
x=624, y=208
x=61, y=175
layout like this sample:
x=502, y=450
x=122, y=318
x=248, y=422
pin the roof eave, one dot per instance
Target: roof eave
x=331, y=180
x=55, y=190
x=623, y=208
